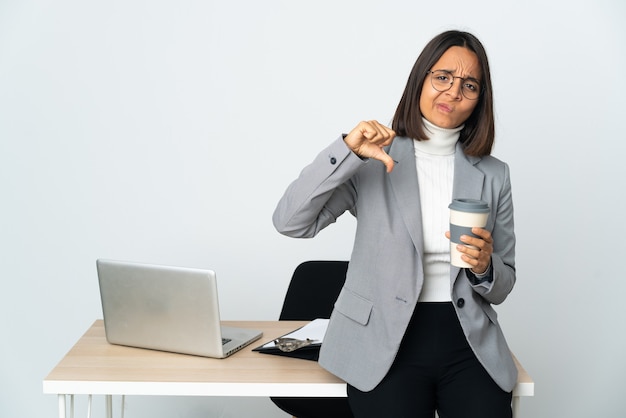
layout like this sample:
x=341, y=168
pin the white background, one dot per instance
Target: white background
x=165, y=132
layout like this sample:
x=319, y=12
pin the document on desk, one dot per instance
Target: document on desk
x=312, y=335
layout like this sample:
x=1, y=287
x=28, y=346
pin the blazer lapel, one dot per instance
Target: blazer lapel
x=468, y=180
x=403, y=180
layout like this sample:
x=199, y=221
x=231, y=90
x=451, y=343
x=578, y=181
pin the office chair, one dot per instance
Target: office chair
x=312, y=292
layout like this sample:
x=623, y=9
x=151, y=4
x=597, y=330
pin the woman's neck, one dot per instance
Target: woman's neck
x=441, y=141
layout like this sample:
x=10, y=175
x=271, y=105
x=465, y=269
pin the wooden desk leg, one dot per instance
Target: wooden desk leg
x=62, y=410
x=515, y=406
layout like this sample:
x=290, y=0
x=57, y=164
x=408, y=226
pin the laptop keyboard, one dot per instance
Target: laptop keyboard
x=226, y=341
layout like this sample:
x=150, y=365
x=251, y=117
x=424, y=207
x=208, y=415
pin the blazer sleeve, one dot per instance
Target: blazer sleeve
x=323, y=191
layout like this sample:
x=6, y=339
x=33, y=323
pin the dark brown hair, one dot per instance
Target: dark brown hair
x=478, y=133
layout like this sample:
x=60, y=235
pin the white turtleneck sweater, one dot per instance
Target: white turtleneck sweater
x=435, y=172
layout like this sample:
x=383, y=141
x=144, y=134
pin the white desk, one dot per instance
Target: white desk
x=95, y=367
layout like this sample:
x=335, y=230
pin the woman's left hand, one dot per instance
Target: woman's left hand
x=479, y=254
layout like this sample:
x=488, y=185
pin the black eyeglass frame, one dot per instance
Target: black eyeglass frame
x=432, y=72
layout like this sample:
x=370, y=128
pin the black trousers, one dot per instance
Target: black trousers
x=435, y=370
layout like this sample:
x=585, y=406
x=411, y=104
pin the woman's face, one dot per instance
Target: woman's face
x=450, y=109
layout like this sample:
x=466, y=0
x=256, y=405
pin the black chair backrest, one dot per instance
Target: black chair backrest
x=313, y=290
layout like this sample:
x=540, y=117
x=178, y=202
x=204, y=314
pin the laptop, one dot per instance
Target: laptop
x=166, y=308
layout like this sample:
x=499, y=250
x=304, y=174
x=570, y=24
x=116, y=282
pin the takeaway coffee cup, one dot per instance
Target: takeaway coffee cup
x=464, y=215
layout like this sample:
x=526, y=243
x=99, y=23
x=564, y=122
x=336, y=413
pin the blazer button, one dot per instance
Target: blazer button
x=333, y=160
x=460, y=303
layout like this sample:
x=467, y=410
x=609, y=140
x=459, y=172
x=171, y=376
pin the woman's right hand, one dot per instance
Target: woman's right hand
x=367, y=140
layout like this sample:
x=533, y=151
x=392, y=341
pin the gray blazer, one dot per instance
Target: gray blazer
x=385, y=273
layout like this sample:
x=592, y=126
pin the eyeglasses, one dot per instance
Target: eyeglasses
x=442, y=80
x=287, y=345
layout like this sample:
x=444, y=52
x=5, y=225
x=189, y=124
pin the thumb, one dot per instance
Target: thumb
x=387, y=160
